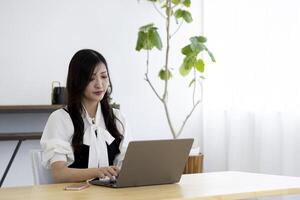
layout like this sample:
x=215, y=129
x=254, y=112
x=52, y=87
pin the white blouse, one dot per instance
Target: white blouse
x=57, y=137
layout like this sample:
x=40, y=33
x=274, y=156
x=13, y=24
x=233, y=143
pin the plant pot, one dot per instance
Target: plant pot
x=194, y=164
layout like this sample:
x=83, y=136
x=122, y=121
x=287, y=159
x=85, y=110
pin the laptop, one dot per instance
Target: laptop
x=151, y=162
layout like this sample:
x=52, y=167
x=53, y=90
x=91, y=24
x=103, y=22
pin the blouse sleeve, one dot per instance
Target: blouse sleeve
x=56, y=139
x=124, y=130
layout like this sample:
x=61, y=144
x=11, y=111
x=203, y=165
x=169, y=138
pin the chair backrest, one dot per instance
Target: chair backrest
x=41, y=175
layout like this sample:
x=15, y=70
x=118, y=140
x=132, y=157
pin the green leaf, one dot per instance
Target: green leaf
x=201, y=39
x=210, y=54
x=191, y=83
x=187, y=50
x=195, y=45
x=176, y=2
x=162, y=74
x=147, y=27
x=140, y=41
x=187, y=3
x=148, y=37
x=148, y=45
x=187, y=16
x=187, y=65
x=200, y=65
x=190, y=61
x=178, y=13
x=155, y=39
x=183, y=70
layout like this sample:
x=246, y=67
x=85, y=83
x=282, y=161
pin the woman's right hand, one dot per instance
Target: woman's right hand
x=108, y=171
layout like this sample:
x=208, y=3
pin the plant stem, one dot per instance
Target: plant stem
x=169, y=119
x=164, y=99
x=154, y=5
x=167, y=47
x=194, y=105
x=201, y=89
x=147, y=61
x=167, y=69
x=187, y=117
x=152, y=87
x=147, y=78
x=179, y=26
x=194, y=88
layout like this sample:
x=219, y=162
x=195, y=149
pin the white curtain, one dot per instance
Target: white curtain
x=252, y=94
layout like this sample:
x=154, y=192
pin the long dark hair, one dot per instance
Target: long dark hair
x=81, y=68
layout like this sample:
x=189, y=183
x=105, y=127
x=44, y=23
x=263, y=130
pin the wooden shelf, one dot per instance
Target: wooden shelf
x=29, y=108
x=20, y=136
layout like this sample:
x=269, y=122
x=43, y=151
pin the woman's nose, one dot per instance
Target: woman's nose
x=98, y=83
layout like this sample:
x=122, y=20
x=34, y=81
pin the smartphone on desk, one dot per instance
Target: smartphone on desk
x=77, y=186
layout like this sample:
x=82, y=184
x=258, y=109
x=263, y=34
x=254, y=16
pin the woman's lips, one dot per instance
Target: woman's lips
x=98, y=93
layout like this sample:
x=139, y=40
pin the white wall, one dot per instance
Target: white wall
x=38, y=39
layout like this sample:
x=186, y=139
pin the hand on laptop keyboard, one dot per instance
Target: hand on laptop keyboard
x=109, y=171
x=106, y=179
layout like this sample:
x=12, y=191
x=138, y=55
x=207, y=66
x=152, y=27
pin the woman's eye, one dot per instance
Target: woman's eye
x=104, y=76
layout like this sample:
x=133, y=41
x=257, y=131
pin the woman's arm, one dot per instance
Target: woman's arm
x=62, y=173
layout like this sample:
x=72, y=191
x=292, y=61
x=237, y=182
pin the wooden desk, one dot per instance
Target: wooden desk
x=208, y=186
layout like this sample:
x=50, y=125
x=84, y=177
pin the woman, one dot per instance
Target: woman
x=83, y=140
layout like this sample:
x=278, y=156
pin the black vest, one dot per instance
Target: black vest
x=81, y=157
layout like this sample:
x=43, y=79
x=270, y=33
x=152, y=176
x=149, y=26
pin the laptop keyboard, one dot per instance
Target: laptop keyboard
x=104, y=181
x=108, y=181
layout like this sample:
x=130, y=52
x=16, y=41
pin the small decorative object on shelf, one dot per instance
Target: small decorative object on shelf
x=59, y=94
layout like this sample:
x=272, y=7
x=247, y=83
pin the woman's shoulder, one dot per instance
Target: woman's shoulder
x=60, y=114
x=59, y=124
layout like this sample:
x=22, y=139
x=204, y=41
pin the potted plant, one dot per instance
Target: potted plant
x=149, y=39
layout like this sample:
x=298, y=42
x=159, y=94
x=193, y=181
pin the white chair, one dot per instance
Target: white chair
x=41, y=175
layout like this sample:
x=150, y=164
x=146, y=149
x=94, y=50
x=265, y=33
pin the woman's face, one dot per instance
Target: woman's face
x=98, y=85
